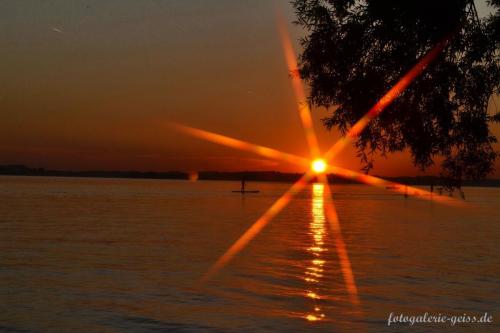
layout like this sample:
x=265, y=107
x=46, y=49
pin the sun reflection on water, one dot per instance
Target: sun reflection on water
x=314, y=272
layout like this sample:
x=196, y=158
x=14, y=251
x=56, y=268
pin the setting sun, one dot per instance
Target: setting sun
x=318, y=165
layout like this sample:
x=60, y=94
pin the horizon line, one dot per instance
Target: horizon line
x=4, y=170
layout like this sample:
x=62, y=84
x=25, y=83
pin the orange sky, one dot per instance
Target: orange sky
x=91, y=85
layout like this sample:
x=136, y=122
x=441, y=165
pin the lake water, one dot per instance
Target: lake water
x=121, y=255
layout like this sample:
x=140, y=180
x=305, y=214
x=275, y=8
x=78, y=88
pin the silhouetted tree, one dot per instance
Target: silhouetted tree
x=355, y=51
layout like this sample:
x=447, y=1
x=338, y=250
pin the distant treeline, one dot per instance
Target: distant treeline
x=263, y=176
x=21, y=170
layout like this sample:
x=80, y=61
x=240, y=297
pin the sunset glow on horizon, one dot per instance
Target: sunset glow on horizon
x=89, y=87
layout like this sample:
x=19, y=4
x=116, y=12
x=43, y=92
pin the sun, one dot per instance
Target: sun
x=318, y=165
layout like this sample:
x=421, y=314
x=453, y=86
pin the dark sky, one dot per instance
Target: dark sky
x=92, y=85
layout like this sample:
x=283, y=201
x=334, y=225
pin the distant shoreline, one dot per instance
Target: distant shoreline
x=262, y=176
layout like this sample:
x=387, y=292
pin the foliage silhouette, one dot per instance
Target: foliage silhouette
x=355, y=51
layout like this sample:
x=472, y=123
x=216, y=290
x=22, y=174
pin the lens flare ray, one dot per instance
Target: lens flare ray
x=298, y=87
x=393, y=186
x=254, y=230
x=242, y=145
x=387, y=99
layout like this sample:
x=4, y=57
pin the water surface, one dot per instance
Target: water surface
x=121, y=255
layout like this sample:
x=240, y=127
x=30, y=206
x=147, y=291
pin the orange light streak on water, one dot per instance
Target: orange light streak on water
x=317, y=231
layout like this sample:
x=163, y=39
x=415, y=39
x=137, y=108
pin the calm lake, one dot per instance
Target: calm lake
x=122, y=255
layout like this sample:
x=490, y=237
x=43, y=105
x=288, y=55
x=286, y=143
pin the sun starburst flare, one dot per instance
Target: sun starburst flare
x=318, y=165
